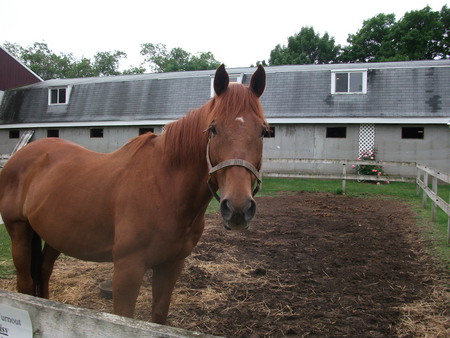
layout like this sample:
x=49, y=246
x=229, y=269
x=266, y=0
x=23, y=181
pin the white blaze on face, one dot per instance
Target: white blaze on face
x=240, y=118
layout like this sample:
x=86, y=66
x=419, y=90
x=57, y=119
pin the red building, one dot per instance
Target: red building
x=13, y=73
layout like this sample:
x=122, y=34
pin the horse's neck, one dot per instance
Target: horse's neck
x=185, y=140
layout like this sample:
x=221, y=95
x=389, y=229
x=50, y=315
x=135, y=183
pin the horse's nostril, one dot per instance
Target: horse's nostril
x=250, y=210
x=226, y=210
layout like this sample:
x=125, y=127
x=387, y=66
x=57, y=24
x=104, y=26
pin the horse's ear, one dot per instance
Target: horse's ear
x=258, y=81
x=221, y=80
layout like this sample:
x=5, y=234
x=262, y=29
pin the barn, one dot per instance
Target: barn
x=332, y=111
x=13, y=73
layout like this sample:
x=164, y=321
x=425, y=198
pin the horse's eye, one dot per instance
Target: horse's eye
x=212, y=129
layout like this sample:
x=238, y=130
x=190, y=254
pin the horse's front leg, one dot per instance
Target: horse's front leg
x=163, y=283
x=127, y=279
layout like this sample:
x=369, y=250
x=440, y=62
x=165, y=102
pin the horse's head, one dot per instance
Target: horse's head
x=235, y=146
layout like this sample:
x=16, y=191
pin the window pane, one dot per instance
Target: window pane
x=53, y=133
x=14, y=134
x=62, y=95
x=356, y=82
x=97, y=132
x=54, y=96
x=413, y=133
x=270, y=133
x=341, y=82
x=143, y=131
x=336, y=132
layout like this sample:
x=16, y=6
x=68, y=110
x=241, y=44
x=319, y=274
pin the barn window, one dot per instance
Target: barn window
x=14, y=134
x=349, y=82
x=336, y=132
x=52, y=132
x=96, y=132
x=413, y=133
x=58, y=96
x=143, y=131
x=270, y=133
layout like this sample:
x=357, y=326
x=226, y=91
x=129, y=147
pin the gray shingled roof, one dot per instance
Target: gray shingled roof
x=395, y=89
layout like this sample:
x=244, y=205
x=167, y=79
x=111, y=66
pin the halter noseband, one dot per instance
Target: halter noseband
x=230, y=163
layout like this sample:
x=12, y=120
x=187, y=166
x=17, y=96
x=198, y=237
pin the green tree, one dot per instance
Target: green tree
x=177, y=59
x=305, y=47
x=445, y=42
x=418, y=35
x=371, y=40
x=134, y=70
x=48, y=65
x=107, y=63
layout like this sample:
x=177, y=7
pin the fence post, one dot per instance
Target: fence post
x=433, y=203
x=417, y=181
x=344, y=177
x=425, y=183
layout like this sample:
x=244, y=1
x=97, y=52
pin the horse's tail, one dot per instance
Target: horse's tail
x=36, y=263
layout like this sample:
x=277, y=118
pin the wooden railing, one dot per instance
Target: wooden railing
x=436, y=201
x=346, y=166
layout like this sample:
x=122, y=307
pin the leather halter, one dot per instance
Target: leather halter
x=231, y=163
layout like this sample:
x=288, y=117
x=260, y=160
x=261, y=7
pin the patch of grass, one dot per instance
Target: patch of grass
x=6, y=265
x=273, y=186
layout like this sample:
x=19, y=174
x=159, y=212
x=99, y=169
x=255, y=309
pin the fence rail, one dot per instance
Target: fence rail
x=432, y=194
x=345, y=175
x=51, y=319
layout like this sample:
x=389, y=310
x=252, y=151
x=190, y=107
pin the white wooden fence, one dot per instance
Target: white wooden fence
x=436, y=201
x=346, y=166
x=51, y=319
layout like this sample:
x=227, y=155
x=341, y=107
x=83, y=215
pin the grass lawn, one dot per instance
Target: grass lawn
x=435, y=233
x=6, y=265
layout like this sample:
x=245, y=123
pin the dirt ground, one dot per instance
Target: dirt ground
x=311, y=264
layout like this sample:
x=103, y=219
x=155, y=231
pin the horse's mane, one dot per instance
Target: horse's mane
x=186, y=138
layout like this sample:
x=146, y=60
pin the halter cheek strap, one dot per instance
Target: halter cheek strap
x=231, y=163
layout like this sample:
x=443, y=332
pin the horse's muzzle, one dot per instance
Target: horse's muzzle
x=237, y=217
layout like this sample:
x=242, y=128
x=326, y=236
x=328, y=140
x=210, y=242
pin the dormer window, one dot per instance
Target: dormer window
x=349, y=82
x=58, y=95
x=237, y=78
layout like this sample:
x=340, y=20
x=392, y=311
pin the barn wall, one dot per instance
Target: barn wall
x=304, y=141
x=433, y=149
x=13, y=73
x=113, y=137
x=309, y=142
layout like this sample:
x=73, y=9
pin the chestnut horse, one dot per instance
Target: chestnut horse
x=141, y=207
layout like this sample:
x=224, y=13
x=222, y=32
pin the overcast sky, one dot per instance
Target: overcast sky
x=237, y=32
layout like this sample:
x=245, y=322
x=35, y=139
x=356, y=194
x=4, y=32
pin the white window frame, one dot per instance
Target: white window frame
x=238, y=77
x=67, y=89
x=349, y=71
